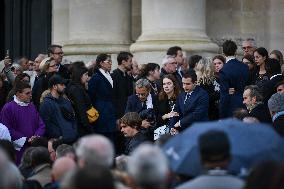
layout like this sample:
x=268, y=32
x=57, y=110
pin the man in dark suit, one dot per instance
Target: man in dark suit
x=176, y=52
x=122, y=82
x=55, y=51
x=276, y=108
x=233, y=75
x=192, y=104
x=255, y=106
x=143, y=99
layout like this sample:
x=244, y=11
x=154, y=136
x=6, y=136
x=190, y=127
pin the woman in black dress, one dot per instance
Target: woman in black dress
x=167, y=99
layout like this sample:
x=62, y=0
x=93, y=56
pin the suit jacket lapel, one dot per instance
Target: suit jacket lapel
x=105, y=79
x=189, y=103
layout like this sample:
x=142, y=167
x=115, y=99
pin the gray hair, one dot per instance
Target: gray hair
x=252, y=41
x=148, y=166
x=95, y=149
x=255, y=92
x=10, y=177
x=166, y=59
x=64, y=149
x=276, y=103
x=143, y=83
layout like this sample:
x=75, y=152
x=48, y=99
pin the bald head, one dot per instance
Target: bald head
x=95, y=149
x=62, y=166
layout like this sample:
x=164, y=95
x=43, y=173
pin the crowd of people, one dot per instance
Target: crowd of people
x=77, y=126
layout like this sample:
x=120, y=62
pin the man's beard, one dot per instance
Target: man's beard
x=60, y=92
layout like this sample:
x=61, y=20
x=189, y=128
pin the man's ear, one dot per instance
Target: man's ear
x=253, y=99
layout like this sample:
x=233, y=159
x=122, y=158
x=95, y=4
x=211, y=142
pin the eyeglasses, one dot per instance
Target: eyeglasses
x=60, y=53
x=142, y=94
x=108, y=61
x=54, y=65
x=173, y=63
x=246, y=48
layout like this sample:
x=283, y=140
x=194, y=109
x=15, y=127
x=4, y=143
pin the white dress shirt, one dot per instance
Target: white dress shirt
x=107, y=75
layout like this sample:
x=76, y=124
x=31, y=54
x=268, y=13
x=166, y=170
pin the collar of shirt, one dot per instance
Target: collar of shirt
x=107, y=75
x=149, y=102
x=189, y=93
x=19, y=102
x=228, y=58
x=217, y=172
x=277, y=115
x=122, y=72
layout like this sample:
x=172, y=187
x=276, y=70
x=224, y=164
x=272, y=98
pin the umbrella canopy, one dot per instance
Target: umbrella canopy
x=250, y=144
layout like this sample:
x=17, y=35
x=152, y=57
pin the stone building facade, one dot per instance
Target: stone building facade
x=148, y=28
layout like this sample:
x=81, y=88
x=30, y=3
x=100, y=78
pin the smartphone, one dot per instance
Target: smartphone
x=7, y=54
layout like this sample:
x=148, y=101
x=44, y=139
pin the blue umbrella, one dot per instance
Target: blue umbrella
x=250, y=144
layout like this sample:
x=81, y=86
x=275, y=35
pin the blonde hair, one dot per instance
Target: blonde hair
x=44, y=65
x=204, y=71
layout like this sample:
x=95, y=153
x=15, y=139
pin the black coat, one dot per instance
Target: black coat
x=81, y=103
x=268, y=88
x=63, y=71
x=100, y=92
x=261, y=112
x=135, y=105
x=134, y=142
x=164, y=107
x=213, y=90
x=39, y=87
x=122, y=88
x=234, y=74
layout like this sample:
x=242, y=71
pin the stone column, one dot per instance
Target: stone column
x=60, y=21
x=166, y=23
x=97, y=26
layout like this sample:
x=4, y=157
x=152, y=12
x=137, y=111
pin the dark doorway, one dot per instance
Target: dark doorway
x=27, y=27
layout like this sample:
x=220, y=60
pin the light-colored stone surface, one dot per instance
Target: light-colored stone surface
x=241, y=19
x=94, y=26
x=276, y=25
x=89, y=27
x=60, y=21
x=166, y=23
x=136, y=19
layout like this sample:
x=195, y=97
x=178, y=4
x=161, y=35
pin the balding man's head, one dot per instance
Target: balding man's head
x=95, y=149
x=62, y=166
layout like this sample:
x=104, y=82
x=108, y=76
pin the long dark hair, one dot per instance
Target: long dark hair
x=263, y=52
x=147, y=68
x=77, y=70
x=163, y=95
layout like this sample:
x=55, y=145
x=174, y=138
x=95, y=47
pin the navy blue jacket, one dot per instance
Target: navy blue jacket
x=100, y=92
x=135, y=105
x=194, y=110
x=59, y=118
x=234, y=74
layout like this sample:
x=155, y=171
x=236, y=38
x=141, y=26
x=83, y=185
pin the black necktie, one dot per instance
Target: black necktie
x=144, y=105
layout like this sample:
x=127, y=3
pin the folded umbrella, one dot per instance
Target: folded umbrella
x=250, y=145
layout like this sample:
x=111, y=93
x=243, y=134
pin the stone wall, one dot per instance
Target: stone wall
x=86, y=28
